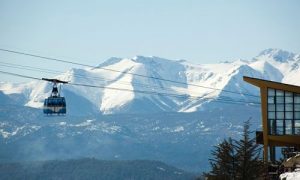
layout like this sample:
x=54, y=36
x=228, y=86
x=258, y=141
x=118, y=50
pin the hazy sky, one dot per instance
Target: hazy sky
x=198, y=31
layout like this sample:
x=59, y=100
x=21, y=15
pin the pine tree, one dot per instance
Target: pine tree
x=236, y=159
x=223, y=162
x=249, y=164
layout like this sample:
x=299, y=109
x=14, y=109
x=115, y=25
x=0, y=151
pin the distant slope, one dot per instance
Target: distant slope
x=117, y=125
x=270, y=64
x=182, y=140
x=92, y=169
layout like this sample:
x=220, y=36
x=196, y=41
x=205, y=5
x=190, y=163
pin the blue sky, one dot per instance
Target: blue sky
x=198, y=31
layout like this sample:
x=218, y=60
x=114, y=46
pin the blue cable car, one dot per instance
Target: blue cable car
x=55, y=104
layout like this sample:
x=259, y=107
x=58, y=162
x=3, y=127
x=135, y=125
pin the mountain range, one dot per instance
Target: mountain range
x=175, y=116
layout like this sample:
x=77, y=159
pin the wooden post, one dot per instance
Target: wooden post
x=264, y=118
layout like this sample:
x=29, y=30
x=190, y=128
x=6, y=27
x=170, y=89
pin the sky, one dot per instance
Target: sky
x=195, y=30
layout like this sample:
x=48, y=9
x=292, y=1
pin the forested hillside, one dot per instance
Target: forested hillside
x=92, y=169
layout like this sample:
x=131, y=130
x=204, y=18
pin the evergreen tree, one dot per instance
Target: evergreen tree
x=249, y=164
x=223, y=162
x=236, y=159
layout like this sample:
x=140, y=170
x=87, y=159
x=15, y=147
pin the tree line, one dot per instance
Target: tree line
x=92, y=169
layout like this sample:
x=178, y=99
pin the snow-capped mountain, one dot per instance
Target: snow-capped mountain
x=111, y=124
x=270, y=64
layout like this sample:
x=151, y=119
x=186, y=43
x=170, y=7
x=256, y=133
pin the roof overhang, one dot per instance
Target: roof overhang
x=261, y=83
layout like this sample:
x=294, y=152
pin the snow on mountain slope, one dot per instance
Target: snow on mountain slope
x=118, y=73
x=181, y=139
x=276, y=54
x=159, y=131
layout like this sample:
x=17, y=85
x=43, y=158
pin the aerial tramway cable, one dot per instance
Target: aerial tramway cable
x=43, y=70
x=113, y=70
x=141, y=91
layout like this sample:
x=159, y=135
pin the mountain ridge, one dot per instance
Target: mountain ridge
x=271, y=64
x=126, y=125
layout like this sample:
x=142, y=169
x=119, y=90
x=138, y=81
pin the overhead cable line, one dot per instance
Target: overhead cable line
x=17, y=66
x=118, y=71
x=165, y=94
x=43, y=70
x=140, y=91
x=20, y=75
x=30, y=68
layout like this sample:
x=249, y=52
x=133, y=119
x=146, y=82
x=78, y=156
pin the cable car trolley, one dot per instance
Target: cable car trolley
x=55, y=104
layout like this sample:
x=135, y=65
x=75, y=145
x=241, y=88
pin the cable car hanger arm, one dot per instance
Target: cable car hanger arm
x=55, y=80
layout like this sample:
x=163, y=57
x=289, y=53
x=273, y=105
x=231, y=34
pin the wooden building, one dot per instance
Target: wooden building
x=280, y=108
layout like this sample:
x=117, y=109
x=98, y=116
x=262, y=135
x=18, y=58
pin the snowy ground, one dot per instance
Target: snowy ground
x=291, y=175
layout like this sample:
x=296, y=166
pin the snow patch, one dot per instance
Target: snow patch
x=291, y=175
x=160, y=168
x=62, y=123
x=178, y=129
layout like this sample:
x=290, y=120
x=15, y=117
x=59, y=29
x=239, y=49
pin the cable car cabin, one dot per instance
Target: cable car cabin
x=55, y=105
